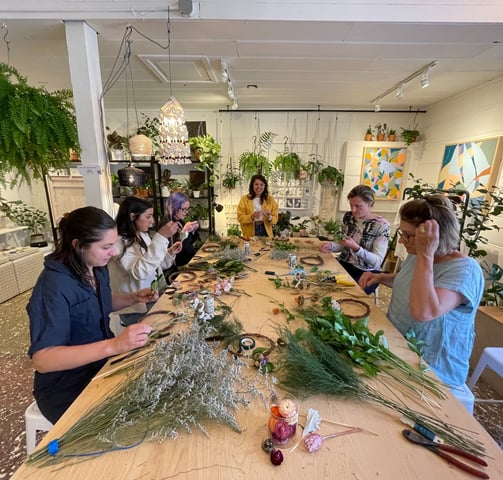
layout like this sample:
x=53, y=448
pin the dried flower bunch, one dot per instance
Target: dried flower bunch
x=178, y=387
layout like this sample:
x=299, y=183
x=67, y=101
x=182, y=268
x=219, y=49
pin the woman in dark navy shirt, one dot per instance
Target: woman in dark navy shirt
x=69, y=311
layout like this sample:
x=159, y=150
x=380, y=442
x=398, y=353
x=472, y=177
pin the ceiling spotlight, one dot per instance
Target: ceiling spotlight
x=425, y=79
x=377, y=107
x=399, y=92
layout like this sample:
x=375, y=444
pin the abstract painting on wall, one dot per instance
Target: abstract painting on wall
x=382, y=170
x=472, y=164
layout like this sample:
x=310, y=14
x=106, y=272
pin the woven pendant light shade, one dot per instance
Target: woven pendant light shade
x=175, y=148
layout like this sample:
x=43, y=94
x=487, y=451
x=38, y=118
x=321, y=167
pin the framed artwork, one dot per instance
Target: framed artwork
x=472, y=164
x=382, y=170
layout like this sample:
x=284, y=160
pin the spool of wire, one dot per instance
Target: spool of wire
x=246, y=345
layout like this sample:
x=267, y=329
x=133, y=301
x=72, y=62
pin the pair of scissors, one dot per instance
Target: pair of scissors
x=441, y=449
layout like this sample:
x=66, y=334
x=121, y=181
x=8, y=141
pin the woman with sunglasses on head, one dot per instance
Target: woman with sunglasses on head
x=176, y=207
x=257, y=210
x=367, y=236
x=437, y=291
x=69, y=311
x=141, y=259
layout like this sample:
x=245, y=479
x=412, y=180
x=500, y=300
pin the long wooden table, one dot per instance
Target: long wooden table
x=229, y=455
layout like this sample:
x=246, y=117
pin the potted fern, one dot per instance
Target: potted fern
x=38, y=128
x=255, y=161
x=288, y=163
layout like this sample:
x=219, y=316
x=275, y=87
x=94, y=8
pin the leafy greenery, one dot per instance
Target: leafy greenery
x=331, y=175
x=493, y=295
x=308, y=366
x=207, y=150
x=150, y=128
x=21, y=214
x=335, y=228
x=116, y=141
x=288, y=162
x=197, y=211
x=37, y=128
x=231, y=177
x=409, y=136
x=255, y=161
x=233, y=229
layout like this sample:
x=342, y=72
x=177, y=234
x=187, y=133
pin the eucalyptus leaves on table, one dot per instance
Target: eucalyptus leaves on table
x=306, y=365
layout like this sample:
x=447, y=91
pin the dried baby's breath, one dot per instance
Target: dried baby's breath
x=181, y=385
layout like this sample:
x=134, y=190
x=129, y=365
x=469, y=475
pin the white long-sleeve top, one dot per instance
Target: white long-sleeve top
x=134, y=268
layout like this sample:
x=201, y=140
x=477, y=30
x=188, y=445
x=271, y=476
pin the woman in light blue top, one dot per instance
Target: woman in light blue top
x=438, y=289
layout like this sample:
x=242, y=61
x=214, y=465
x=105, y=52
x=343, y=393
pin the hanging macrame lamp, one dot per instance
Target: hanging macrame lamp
x=173, y=133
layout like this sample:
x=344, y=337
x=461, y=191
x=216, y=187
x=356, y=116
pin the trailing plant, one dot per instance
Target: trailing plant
x=493, y=294
x=21, y=214
x=231, y=177
x=312, y=167
x=37, y=128
x=255, y=161
x=331, y=175
x=287, y=162
x=409, y=135
x=207, y=151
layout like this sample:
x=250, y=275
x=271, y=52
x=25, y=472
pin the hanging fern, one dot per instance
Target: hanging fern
x=37, y=128
x=251, y=163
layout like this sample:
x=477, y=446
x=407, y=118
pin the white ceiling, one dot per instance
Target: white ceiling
x=272, y=64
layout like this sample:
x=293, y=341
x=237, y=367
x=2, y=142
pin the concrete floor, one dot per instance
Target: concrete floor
x=17, y=377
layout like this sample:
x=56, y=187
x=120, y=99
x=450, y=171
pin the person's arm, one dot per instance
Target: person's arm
x=426, y=301
x=142, y=264
x=368, y=278
x=57, y=358
x=270, y=214
x=123, y=300
x=374, y=256
x=245, y=211
x=328, y=246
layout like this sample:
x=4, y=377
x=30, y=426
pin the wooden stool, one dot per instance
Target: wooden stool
x=34, y=421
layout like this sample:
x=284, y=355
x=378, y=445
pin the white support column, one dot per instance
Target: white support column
x=85, y=73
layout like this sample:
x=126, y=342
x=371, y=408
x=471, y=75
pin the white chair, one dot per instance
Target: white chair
x=492, y=357
x=34, y=421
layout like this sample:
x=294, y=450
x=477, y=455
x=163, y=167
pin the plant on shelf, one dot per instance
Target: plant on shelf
x=391, y=135
x=22, y=215
x=369, y=134
x=150, y=128
x=197, y=211
x=37, y=128
x=206, y=152
x=118, y=146
x=255, y=161
x=409, y=135
x=288, y=163
x=380, y=131
x=329, y=175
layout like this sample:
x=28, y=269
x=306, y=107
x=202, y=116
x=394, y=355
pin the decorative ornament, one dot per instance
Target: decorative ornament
x=175, y=148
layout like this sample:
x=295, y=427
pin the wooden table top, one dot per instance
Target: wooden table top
x=229, y=455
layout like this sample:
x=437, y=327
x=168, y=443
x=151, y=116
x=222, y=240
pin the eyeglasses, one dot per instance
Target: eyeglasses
x=406, y=236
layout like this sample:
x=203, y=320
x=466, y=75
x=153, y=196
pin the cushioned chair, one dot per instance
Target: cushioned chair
x=35, y=422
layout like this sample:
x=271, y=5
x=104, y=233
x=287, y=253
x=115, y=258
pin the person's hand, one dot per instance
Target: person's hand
x=168, y=229
x=350, y=243
x=367, y=279
x=191, y=227
x=175, y=248
x=256, y=215
x=325, y=247
x=427, y=238
x=146, y=295
x=134, y=336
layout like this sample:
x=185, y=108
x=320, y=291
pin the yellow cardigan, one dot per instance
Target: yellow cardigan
x=245, y=211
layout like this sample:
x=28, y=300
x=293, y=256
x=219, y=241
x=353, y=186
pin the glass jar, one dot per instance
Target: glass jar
x=283, y=419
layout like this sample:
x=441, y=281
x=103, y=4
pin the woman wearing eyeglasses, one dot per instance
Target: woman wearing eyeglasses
x=367, y=236
x=141, y=259
x=437, y=291
x=176, y=208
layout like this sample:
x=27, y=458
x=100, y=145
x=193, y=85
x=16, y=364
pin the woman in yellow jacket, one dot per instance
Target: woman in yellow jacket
x=257, y=210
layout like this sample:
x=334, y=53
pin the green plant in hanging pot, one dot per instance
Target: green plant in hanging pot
x=255, y=161
x=330, y=175
x=37, y=128
x=313, y=166
x=205, y=151
x=231, y=178
x=409, y=135
x=288, y=163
